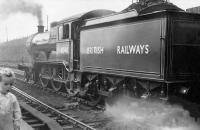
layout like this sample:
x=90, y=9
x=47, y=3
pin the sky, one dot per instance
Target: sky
x=17, y=23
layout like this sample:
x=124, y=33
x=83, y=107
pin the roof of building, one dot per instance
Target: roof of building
x=193, y=9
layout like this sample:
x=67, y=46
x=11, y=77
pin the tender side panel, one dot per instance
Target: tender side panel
x=132, y=49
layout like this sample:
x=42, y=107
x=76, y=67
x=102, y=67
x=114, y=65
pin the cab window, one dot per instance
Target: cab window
x=60, y=32
x=66, y=31
x=53, y=33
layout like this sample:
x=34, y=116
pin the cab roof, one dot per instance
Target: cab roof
x=83, y=16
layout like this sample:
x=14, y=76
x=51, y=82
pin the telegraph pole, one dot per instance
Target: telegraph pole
x=6, y=34
x=47, y=23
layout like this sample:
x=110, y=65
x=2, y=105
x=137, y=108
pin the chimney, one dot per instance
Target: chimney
x=40, y=28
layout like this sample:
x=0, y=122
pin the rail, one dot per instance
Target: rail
x=60, y=114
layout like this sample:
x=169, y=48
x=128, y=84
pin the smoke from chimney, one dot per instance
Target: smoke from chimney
x=9, y=7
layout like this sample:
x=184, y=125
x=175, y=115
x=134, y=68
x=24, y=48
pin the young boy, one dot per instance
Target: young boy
x=10, y=113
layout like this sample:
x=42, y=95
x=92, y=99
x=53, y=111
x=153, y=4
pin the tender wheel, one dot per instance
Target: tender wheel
x=56, y=85
x=94, y=99
x=44, y=81
x=93, y=95
x=133, y=88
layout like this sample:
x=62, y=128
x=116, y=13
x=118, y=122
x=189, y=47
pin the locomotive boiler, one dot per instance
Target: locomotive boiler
x=147, y=51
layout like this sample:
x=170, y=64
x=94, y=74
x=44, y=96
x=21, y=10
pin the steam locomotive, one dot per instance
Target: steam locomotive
x=149, y=50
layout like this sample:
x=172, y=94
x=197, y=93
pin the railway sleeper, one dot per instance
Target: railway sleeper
x=49, y=123
x=63, y=122
x=32, y=121
x=38, y=125
x=50, y=114
x=26, y=117
x=81, y=126
x=45, y=110
x=68, y=127
x=92, y=124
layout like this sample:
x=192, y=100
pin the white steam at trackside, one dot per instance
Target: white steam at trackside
x=9, y=7
x=137, y=114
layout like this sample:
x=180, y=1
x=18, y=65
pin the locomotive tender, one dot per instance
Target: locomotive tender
x=146, y=51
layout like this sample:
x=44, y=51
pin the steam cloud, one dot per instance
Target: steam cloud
x=135, y=114
x=9, y=7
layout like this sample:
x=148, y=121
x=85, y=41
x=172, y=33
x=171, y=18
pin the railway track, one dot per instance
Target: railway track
x=65, y=121
x=32, y=120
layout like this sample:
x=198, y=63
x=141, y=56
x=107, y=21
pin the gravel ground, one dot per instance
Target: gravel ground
x=49, y=98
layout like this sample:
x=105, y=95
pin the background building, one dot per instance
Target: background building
x=194, y=9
